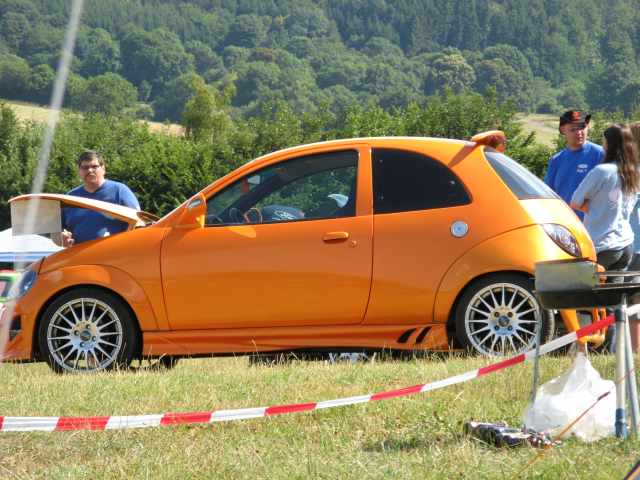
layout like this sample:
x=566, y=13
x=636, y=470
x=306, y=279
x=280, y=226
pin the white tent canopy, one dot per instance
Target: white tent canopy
x=24, y=248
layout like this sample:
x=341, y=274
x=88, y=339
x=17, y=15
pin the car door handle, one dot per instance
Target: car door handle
x=335, y=236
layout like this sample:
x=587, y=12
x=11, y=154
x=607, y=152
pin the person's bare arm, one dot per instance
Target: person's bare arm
x=63, y=239
x=583, y=208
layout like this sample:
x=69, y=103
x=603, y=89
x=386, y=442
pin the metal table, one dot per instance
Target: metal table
x=577, y=284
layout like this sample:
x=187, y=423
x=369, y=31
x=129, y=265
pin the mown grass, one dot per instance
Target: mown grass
x=30, y=112
x=545, y=126
x=412, y=437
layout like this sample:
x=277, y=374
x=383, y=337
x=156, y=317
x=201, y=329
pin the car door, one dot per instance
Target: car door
x=422, y=217
x=282, y=246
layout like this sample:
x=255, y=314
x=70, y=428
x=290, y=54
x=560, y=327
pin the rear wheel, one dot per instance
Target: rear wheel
x=87, y=330
x=499, y=315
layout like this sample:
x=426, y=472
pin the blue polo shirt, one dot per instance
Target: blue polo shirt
x=568, y=168
x=87, y=224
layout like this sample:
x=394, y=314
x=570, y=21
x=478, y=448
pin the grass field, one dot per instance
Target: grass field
x=413, y=437
x=545, y=127
x=37, y=113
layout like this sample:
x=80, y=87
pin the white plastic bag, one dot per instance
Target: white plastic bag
x=561, y=400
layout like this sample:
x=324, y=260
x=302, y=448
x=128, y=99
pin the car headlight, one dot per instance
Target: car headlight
x=563, y=238
x=23, y=285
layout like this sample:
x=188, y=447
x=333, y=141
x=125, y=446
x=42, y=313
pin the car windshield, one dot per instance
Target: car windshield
x=524, y=184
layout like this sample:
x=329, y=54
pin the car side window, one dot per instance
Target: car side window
x=405, y=181
x=5, y=286
x=310, y=187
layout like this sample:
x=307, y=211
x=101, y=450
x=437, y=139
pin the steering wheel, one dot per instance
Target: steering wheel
x=253, y=215
x=236, y=216
x=212, y=219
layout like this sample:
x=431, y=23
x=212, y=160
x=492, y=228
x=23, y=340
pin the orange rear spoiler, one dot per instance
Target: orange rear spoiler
x=493, y=138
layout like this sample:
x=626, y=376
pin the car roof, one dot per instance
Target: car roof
x=406, y=142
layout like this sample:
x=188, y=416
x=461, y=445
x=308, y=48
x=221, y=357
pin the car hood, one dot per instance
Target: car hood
x=47, y=212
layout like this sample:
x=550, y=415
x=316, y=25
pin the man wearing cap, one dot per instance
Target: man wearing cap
x=568, y=167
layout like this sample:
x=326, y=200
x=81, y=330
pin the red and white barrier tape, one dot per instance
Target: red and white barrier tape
x=49, y=424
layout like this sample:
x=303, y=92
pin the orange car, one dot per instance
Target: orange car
x=359, y=244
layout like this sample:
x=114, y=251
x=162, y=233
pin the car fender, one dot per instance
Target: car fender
x=104, y=276
x=513, y=251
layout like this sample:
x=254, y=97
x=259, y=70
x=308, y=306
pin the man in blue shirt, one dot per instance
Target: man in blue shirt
x=568, y=167
x=80, y=224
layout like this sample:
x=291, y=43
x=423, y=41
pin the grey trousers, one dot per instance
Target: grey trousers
x=616, y=260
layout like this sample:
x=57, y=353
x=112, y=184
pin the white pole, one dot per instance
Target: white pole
x=621, y=390
x=631, y=385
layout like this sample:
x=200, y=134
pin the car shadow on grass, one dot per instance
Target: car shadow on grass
x=404, y=443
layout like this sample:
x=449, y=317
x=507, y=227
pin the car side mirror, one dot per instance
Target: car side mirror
x=194, y=213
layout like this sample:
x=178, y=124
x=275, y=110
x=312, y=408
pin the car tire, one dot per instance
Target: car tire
x=87, y=330
x=167, y=362
x=499, y=316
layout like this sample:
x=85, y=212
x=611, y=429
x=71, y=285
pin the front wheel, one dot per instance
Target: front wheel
x=499, y=315
x=87, y=330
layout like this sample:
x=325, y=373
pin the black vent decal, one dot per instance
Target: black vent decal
x=423, y=334
x=405, y=336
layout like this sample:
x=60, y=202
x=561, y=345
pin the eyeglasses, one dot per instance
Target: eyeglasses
x=577, y=129
x=90, y=167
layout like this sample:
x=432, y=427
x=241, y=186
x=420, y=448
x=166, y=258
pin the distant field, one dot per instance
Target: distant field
x=545, y=126
x=37, y=113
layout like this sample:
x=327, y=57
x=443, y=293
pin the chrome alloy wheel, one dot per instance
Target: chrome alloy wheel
x=502, y=319
x=84, y=334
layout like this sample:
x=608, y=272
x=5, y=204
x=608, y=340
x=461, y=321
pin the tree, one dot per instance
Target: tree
x=98, y=52
x=392, y=87
x=14, y=76
x=450, y=71
x=247, y=31
x=545, y=97
x=156, y=57
x=206, y=114
x=233, y=56
x=378, y=46
x=109, y=94
x=14, y=27
x=572, y=95
x=204, y=57
x=256, y=79
x=308, y=21
x=177, y=93
x=41, y=82
x=506, y=68
x=341, y=70
x=75, y=88
x=23, y=7
x=42, y=45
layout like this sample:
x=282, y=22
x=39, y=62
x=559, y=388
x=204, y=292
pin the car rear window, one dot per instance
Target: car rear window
x=405, y=181
x=524, y=184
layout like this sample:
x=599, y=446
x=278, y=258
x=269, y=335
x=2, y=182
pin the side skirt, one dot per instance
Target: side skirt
x=376, y=337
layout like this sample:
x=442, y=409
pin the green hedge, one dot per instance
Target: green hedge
x=164, y=170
